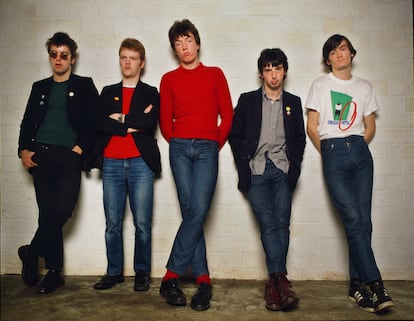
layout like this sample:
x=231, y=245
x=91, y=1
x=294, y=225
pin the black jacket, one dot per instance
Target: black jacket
x=110, y=101
x=81, y=102
x=245, y=133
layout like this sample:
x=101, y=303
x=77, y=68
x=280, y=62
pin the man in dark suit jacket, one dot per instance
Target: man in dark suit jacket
x=56, y=133
x=128, y=154
x=268, y=141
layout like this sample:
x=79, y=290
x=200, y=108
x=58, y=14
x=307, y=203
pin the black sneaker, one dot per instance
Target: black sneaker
x=108, y=281
x=380, y=297
x=359, y=294
x=142, y=281
x=169, y=289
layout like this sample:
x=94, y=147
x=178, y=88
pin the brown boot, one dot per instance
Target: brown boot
x=288, y=298
x=272, y=296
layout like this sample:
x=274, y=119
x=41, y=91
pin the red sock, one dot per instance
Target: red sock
x=170, y=275
x=205, y=278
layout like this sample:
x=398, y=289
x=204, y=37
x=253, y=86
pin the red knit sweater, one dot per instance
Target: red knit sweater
x=195, y=104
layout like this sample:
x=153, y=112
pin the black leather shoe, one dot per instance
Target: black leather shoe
x=108, y=282
x=30, y=270
x=201, y=300
x=169, y=289
x=142, y=281
x=52, y=280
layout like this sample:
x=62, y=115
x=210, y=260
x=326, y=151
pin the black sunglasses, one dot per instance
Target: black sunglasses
x=63, y=55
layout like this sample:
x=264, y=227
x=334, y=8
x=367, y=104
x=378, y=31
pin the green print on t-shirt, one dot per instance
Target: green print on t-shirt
x=340, y=101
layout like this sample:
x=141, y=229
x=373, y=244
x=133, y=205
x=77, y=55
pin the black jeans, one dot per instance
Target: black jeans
x=57, y=182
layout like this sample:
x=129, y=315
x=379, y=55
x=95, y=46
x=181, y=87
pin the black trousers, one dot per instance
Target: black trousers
x=57, y=182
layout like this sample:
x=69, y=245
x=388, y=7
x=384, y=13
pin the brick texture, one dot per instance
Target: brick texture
x=232, y=35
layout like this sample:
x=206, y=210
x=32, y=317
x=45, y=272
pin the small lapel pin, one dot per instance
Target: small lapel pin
x=288, y=109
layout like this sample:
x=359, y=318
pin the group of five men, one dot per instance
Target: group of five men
x=68, y=127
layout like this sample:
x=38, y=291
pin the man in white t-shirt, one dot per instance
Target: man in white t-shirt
x=341, y=111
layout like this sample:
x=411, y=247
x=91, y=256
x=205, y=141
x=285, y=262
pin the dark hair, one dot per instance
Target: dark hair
x=182, y=28
x=332, y=43
x=272, y=57
x=135, y=45
x=62, y=39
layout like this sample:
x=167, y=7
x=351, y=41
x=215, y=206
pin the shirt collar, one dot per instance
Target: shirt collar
x=267, y=98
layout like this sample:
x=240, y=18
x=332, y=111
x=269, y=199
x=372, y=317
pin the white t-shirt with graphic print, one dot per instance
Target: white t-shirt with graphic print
x=342, y=105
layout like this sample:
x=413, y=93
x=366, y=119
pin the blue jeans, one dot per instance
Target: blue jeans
x=271, y=199
x=132, y=177
x=194, y=165
x=348, y=170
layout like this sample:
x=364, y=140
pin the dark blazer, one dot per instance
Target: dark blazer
x=81, y=102
x=245, y=133
x=139, y=117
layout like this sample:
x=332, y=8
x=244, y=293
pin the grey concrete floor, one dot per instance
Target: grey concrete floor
x=235, y=300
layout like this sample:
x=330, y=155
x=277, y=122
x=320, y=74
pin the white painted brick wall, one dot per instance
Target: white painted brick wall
x=232, y=34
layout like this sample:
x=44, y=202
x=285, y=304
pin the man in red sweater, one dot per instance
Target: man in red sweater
x=193, y=98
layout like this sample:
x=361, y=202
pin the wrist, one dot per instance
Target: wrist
x=21, y=152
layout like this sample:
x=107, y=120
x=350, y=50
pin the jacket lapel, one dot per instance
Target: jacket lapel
x=256, y=111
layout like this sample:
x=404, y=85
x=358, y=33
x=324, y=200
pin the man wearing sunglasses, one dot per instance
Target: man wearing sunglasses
x=56, y=134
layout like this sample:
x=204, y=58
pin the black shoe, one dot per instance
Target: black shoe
x=169, y=289
x=52, y=280
x=108, y=282
x=201, y=300
x=30, y=270
x=142, y=281
x=359, y=294
x=380, y=297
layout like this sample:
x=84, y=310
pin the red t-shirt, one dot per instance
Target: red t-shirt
x=123, y=146
x=192, y=101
